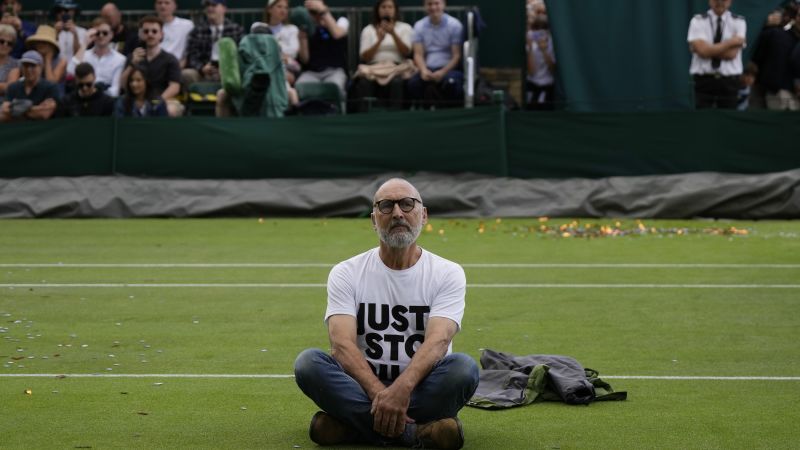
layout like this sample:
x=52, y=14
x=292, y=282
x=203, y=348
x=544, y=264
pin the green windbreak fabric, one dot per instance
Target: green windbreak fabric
x=73, y=147
x=561, y=145
x=629, y=55
x=447, y=141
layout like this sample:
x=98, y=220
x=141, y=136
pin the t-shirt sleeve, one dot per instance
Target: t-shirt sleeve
x=405, y=32
x=449, y=301
x=368, y=38
x=342, y=22
x=341, y=295
x=696, y=30
x=416, y=34
x=457, y=34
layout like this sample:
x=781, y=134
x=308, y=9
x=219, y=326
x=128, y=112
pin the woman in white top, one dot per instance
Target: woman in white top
x=385, y=50
x=276, y=17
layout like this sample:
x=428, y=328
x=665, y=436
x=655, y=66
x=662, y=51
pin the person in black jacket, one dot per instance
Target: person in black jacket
x=87, y=100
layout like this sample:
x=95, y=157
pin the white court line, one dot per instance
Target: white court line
x=278, y=376
x=476, y=286
x=466, y=265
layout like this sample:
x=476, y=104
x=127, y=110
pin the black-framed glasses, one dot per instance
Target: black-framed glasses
x=150, y=30
x=5, y=42
x=84, y=85
x=406, y=204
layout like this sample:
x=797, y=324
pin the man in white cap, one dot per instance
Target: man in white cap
x=30, y=98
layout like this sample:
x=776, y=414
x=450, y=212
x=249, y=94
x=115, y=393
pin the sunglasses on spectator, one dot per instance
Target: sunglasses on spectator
x=387, y=206
x=84, y=85
x=103, y=33
x=5, y=42
x=150, y=30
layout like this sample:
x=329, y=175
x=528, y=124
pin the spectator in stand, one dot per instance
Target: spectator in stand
x=795, y=57
x=108, y=63
x=176, y=29
x=276, y=19
x=385, y=50
x=716, y=39
x=86, y=100
x=139, y=100
x=161, y=69
x=202, y=51
x=124, y=39
x=70, y=37
x=437, y=53
x=746, y=89
x=324, y=54
x=773, y=55
x=31, y=98
x=9, y=66
x=541, y=66
x=45, y=44
x=24, y=29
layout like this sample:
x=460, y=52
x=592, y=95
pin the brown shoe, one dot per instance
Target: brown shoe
x=444, y=434
x=327, y=430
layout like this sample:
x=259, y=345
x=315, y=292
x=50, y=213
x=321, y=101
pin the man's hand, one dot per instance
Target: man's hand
x=438, y=75
x=210, y=70
x=315, y=6
x=59, y=25
x=138, y=55
x=389, y=411
x=12, y=20
x=736, y=41
x=426, y=74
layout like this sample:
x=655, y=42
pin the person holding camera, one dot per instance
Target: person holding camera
x=30, y=98
x=202, y=51
x=24, y=29
x=70, y=36
x=161, y=69
x=324, y=54
x=385, y=50
x=540, y=81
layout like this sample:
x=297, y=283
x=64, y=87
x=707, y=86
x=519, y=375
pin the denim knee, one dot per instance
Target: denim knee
x=462, y=371
x=306, y=363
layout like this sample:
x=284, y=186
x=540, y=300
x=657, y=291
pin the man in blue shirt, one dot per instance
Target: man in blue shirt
x=30, y=98
x=437, y=53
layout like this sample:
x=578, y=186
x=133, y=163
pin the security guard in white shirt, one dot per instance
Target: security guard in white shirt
x=716, y=40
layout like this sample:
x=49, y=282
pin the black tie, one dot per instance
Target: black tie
x=715, y=62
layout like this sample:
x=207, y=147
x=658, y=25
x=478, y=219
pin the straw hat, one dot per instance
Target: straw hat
x=45, y=33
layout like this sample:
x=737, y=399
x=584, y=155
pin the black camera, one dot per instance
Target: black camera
x=66, y=17
x=10, y=10
x=386, y=19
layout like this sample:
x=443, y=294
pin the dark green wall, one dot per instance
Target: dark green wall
x=482, y=140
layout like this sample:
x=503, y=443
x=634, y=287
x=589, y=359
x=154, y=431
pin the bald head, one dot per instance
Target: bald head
x=396, y=188
x=111, y=13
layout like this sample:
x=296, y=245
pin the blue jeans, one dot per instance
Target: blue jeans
x=450, y=89
x=441, y=394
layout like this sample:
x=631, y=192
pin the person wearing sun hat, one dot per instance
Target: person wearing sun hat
x=45, y=44
x=30, y=98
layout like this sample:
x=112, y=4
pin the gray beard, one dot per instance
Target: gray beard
x=400, y=238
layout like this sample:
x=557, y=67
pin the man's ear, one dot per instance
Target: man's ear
x=374, y=223
x=424, y=215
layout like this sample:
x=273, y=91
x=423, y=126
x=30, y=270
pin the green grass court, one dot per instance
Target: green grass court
x=179, y=300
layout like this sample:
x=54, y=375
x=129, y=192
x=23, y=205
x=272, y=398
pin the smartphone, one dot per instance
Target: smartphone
x=66, y=17
x=10, y=10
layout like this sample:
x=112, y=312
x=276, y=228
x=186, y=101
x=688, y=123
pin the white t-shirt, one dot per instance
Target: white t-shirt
x=65, y=45
x=392, y=307
x=176, y=33
x=107, y=68
x=703, y=27
x=287, y=36
x=387, y=51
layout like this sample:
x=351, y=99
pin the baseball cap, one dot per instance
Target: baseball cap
x=214, y=2
x=32, y=57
